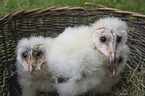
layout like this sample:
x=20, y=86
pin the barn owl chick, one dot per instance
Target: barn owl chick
x=110, y=35
x=119, y=62
x=108, y=82
x=74, y=62
x=31, y=65
x=81, y=53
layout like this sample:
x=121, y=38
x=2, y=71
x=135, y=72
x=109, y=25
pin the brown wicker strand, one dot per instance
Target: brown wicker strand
x=116, y=10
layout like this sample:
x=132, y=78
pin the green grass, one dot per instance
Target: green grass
x=7, y=6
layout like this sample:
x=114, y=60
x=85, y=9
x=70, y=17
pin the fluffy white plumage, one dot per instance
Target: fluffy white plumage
x=72, y=55
x=83, y=53
x=33, y=73
x=108, y=82
x=115, y=32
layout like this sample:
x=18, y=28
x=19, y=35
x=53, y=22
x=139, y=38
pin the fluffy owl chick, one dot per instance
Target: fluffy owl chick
x=74, y=57
x=33, y=74
x=81, y=54
x=112, y=33
x=108, y=82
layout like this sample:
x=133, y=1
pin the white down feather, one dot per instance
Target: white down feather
x=40, y=80
x=108, y=82
x=72, y=53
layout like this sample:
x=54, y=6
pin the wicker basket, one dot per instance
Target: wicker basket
x=51, y=22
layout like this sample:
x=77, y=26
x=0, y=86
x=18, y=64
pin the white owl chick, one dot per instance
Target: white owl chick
x=72, y=56
x=112, y=34
x=82, y=53
x=33, y=74
x=108, y=82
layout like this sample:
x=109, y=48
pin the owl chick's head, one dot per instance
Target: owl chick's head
x=31, y=53
x=119, y=63
x=109, y=35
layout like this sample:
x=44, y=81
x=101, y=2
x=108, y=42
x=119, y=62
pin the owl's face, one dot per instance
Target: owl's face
x=31, y=57
x=114, y=67
x=117, y=67
x=109, y=42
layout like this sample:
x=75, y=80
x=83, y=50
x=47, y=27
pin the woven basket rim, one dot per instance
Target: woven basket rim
x=86, y=9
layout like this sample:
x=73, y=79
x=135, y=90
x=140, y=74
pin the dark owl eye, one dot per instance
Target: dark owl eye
x=118, y=39
x=120, y=59
x=38, y=53
x=103, y=39
x=24, y=55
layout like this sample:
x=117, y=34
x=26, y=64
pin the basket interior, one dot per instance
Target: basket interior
x=52, y=22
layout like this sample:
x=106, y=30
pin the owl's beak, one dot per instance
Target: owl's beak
x=113, y=67
x=31, y=65
x=112, y=53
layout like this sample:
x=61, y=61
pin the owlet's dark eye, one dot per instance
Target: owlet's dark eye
x=24, y=55
x=38, y=53
x=103, y=39
x=120, y=59
x=118, y=39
